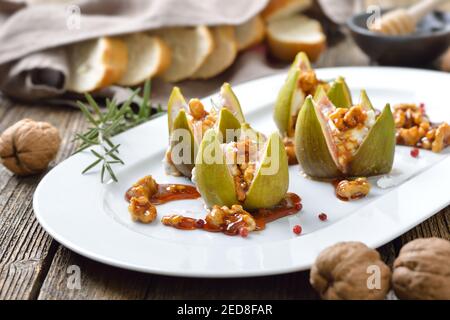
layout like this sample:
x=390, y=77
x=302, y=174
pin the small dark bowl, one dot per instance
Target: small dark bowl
x=430, y=40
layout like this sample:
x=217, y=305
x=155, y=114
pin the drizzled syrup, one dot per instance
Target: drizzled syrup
x=168, y=192
x=290, y=205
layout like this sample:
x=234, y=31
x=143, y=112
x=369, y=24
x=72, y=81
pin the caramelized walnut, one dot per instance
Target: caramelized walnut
x=308, y=82
x=243, y=169
x=142, y=210
x=344, y=118
x=289, y=146
x=352, y=190
x=235, y=217
x=354, y=117
x=338, y=118
x=442, y=138
x=414, y=129
x=197, y=109
x=144, y=187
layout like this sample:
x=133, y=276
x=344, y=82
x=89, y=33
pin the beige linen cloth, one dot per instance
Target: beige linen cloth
x=33, y=62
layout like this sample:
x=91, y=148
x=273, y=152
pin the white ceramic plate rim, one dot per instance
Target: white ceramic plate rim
x=375, y=224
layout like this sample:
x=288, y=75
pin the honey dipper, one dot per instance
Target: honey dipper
x=404, y=21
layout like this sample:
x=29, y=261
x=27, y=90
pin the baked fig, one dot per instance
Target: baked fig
x=252, y=171
x=302, y=81
x=188, y=122
x=332, y=142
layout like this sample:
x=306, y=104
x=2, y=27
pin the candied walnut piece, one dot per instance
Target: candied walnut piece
x=344, y=118
x=442, y=138
x=338, y=118
x=355, y=116
x=422, y=270
x=410, y=137
x=343, y=271
x=352, y=190
x=142, y=210
x=230, y=219
x=414, y=129
x=179, y=222
x=399, y=118
x=243, y=169
x=144, y=187
x=216, y=216
x=308, y=82
x=289, y=146
x=197, y=109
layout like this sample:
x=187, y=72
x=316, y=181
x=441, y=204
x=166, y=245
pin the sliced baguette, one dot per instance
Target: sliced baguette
x=250, y=33
x=147, y=57
x=95, y=64
x=190, y=48
x=297, y=33
x=279, y=9
x=223, y=55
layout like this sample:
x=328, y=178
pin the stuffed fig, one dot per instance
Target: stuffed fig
x=188, y=122
x=301, y=82
x=332, y=142
x=252, y=171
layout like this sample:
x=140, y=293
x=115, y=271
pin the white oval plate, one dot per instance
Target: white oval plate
x=92, y=219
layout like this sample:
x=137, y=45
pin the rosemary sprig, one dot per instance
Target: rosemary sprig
x=107, y=122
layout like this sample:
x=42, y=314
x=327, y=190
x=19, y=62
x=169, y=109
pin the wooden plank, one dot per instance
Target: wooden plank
x=97, y=281
x=436, y=226
x=25, y=249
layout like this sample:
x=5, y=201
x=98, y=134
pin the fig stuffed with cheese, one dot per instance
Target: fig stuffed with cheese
x=188, y=122
x=333, y=142
x=301, y=82
x=251, y=171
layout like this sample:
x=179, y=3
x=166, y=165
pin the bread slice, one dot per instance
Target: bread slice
x=147, y=57
x=250, y=33
x=293, y=34
x=223, y=55
x=279, y=9
x=190, y=48
x=95, y=64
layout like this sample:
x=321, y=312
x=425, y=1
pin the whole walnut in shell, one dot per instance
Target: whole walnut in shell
x=27, y=147
x=422, y=270
x=350, y=270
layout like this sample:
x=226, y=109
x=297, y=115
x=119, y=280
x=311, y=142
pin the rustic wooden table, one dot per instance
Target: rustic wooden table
x=34, y=266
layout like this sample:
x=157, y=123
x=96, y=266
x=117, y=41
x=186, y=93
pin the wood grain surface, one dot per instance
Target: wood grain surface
x=34, y=266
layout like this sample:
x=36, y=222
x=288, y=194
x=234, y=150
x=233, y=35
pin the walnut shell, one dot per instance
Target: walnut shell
x=27, y=147
x=345, y=271
x=422, y=270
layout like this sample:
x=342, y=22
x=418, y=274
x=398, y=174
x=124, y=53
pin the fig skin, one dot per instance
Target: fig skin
x=216, y=185
x=283, y=104
x=314, y=150
x=339, y=94
x=422, y=270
